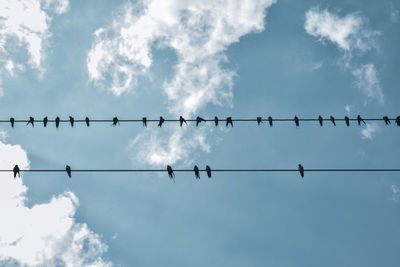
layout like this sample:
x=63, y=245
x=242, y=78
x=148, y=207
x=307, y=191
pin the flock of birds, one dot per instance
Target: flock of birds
x=228, y=121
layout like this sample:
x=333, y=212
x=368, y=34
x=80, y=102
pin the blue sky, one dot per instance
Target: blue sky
x=228, y=58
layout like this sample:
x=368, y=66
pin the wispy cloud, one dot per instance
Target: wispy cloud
x=395, y=192
x=199, y=32
x=44, y=234
x=367, y=81
x=394, y=13
x=370, y=131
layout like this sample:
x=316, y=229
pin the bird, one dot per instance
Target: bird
x=160, y=123
x=16, y=171
x=270, y=120
x=359, y=120
x=333, y=120
x=208, y=170
x=296, y=121
x=87, y=120
x=31, y=121
x=71, y=120
x=198, y=120
x=68, y=170
x=321, y=120
x=229, y=121
x=216, y=120
x=386, y=119
x=398, y=120
x=196, y=172
x=115, y=121
x=45, y=121
x=181, y=121
x=144, y=120
x=347, y=120
x=259, y=120
x=301, y=170
x=170, y=173
x=57, y=122
x=12, y=121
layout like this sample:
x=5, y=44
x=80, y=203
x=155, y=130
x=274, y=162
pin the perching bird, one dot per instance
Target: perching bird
x=301, y=170
x=160, y=123
x=259, y=120
x=115, y=121
x=198, y=120
x=270, y=120
x=229, y=121
x=144, y=120
x=321, y=120
x=386, y=119
x=347, y=120
x=359, y=120
x=45, y=121
x=68, y=170
x=181, y=121
x=57, y=122
x=16, y=171
x=216, y=120
x=87, y=120
x=196, y=172
x=71, y=120
x=333, y=120
x=170, y=173
x=398, y=120
x=296, y=121
x=31, y=121
x=208, y=170
x=12, y=121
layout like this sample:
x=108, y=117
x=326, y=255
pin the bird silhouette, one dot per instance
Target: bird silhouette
x=170, y=173
x=398, y=120
x=301, y=171
x=16, y=171
x=12, y=121
x=270, y=120
x=198, y=120
x=115, y=121
x=196, y=172
x=160, y=123
x=57, y=122
x=216, y=120
x=87, y=120
x=296, y=121
x=208, y=171
x=181, y=121
x=333, y=120
x=31, y=121
x=144, y=121
x=71, y=120
x=386, y=119
x=321, y=120
x=347, y=120
x=229, y=121
x=359, y=120
x=45, y=121
x=259, y=120
x=68, y=170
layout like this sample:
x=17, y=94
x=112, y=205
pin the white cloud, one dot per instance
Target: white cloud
x=198, y=32
x=367, y=81
x=348, y=109
x=44, y=234
x=25, y=23
x=394, y=14
x=395, y=192
x=370, y=131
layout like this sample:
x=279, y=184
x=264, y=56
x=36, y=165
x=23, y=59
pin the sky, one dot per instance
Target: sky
x=244, y=59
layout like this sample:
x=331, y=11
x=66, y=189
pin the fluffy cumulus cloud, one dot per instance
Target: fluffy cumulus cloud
x=198, y=32
x=367, y=81
x=44, y=234
x=24, y=25
x=370, y=131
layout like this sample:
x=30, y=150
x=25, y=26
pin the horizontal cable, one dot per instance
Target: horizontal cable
x=214, y=170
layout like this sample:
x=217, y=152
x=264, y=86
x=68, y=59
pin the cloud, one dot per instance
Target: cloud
x=44, y=234
x=367, y=81
x=25, y=24
x=370, y=131
x=395, y=192
x=348, y=109
x=394, y=14
x=199, y=32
